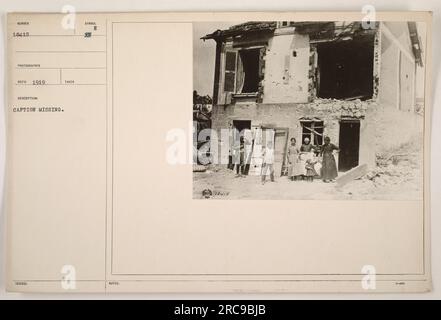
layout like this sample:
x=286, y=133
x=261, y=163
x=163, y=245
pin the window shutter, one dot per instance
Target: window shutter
x=230, y=71
x=262, y=63
x=262, y=54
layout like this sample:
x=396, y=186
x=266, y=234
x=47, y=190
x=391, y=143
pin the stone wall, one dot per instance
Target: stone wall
x=286, y=69
x=330, y=111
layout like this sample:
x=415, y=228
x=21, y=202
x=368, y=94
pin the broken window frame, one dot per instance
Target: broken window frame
x=239, y=68
x=318, y=72
x=314, y=135
x=241, y=75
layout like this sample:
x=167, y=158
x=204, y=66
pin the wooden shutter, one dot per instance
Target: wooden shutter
x=230, y=71
x=262, y=54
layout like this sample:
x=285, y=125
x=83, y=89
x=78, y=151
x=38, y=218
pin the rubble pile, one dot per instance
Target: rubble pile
x=397, y=171
x=392, y=174
x=343, y=108
x=395, y=129
x=399, y=165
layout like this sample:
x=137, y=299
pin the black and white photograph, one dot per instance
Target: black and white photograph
x=303, y=110
x=308, y=167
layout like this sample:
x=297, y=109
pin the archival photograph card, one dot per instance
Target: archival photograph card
x=218, y=152
x=338, y=103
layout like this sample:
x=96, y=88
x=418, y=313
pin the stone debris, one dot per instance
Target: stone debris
x=344, y=108
x=391, y=174
x=395, y=170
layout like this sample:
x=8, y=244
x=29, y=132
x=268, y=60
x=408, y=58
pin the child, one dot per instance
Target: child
x=310, y=170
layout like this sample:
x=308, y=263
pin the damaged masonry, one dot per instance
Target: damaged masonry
x=313, y=80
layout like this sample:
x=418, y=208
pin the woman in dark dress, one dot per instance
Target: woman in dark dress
x=329, y=167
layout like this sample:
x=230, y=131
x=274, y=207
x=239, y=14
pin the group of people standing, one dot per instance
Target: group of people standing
x=304, y=163
x=310, y=161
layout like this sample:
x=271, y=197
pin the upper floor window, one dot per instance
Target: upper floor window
x=243, y=70
x=346, y=69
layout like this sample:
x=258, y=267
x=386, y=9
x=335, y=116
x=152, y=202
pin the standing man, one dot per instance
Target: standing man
x=268, y=161
x=239, y=157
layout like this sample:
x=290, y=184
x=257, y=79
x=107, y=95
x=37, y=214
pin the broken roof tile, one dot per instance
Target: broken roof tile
x=315, y=29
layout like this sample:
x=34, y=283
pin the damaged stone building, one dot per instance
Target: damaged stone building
x=315, y=79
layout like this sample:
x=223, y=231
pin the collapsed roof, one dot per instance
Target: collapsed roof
x=416, y=44
x=317, y=30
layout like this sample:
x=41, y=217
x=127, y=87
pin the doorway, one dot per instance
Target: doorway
x=243, y=129
x=241, y=125
x=349, y=144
